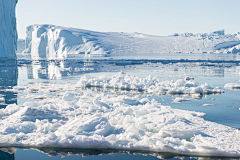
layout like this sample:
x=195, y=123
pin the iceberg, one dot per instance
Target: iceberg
x=20, y=45
x=50, y=41
x=8, y=31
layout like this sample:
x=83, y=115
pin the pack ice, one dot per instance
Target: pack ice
x=93, y=120
x=96, y=120
x=49, y=41
x=8, y=32
x=127, y=82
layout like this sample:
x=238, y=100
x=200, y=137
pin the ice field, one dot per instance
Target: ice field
x=143, y=106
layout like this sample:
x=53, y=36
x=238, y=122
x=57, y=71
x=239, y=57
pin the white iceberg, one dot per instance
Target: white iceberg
x=49, y=41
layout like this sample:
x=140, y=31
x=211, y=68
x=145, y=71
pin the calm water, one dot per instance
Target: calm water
x=216, y=70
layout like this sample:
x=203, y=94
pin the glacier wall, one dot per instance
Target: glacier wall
x=49, y=41
x=8, y=31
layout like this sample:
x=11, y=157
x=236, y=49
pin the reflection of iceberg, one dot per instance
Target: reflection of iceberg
x=56, y=69
x=6, y=156
x=66, y=152
x=203, y=69
x=8, y=79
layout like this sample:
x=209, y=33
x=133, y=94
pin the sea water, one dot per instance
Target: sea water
x=216, y=70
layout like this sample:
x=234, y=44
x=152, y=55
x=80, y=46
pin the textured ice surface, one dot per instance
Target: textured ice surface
x=49, y=41
x=96, y=120
x=149, y=84
x=129, y=82
x=8, y=32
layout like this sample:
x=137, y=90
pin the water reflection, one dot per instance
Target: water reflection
x=69, y=153
x=57, y=69
x=6, y=156
x=8, y=79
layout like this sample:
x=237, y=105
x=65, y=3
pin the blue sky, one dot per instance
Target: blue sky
x=156, y=17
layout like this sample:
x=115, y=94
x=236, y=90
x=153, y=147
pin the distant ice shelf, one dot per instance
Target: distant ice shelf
x=8, y=32
x=49, y=41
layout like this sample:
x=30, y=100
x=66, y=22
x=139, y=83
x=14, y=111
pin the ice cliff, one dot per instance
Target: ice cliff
x=49, y=41
x=20, y=45
x=8, y=32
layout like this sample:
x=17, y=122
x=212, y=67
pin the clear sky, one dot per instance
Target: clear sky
x=156, y=17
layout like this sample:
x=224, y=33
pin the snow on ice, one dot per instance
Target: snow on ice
x=96, y=120
x=49, y=41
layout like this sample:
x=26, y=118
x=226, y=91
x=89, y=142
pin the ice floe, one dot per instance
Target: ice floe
x=149, y=84
x=232, y=85
x=124, y=81
x=95, y=120
x=208, y=105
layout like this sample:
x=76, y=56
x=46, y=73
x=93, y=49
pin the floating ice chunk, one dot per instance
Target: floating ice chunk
x=208, y=105
x=2, y=99
x=149, y=84
x=232, y=85
x=196, y=96
x=127, y=82
x=179, y=100
x=68, y=96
